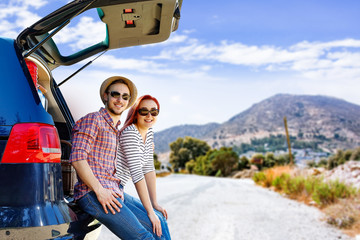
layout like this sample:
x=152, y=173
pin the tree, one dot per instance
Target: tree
x=223, y=160
x=186, y=149
x=282, y=159
x=269, y=160
x=243, y=163
x=190, y=165
x=203, y=166
x=196, y=147
x=258, y=160
x=157, y=164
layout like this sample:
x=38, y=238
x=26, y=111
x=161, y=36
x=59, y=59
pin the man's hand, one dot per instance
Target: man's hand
x=107, y=199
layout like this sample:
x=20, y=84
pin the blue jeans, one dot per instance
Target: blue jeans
x=131, y=222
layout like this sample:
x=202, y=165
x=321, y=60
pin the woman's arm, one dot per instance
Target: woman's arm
x=129, y=144
x=143, y=193
x=150, y=179
x=151, y=186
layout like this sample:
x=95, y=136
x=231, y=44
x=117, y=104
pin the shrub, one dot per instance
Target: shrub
x=355, y=154
x=327, y=193
x=259, y=177
x=280, y=181
x=322, y=194
x=294, y=186
x=340, y=190
x=323, y=162
x=218, y=173
x=310, y=184
x=311, y=164
x=340, y=202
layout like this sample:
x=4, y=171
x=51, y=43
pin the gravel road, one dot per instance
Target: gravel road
x=207, y=208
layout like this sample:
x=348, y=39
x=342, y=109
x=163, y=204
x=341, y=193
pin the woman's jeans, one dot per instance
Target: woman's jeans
x=132, y=222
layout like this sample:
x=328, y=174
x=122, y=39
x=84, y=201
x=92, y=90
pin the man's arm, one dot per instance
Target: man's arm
x=106, y=197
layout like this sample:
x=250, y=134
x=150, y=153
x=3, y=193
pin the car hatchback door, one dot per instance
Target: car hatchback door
x=128, y=23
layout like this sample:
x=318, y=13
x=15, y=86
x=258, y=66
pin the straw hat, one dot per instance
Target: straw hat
x=130, y=84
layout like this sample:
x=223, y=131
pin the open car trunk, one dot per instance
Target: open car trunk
x=128, y=23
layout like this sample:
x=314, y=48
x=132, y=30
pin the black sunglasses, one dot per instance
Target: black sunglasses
x=144, y=112
x=116, y=94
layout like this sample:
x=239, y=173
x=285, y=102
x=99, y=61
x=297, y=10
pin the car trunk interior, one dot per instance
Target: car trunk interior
x=51, y=105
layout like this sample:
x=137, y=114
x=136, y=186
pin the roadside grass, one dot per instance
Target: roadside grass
x=163, y=174
x=338, y=201
x=345, y=214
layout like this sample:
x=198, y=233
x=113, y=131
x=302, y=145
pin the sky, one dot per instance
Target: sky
x=224, y=57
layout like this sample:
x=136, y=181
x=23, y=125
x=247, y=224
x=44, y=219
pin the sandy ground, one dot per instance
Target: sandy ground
x=207, y=208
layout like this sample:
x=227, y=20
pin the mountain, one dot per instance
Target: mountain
x=332, y=122
x=167, y=136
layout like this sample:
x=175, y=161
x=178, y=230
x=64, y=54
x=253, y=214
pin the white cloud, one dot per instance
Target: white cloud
x=241, y=54
x=189, y=31
x=112, y=62
x=33, y=3
x=305, y=57
x=152, y=67
x=16, y=15
x=85, y=33
x=173, y=39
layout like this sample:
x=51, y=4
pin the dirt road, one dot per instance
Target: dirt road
x=206, y=208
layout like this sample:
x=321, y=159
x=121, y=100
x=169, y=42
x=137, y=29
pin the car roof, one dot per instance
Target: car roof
x=128, y=23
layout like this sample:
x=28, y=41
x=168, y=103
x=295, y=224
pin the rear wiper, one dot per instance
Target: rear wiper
x=80, y=69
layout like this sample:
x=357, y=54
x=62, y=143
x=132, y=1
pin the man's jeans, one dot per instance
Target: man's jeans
x=131, y=222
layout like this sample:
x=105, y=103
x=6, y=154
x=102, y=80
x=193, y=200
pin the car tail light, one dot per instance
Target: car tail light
x=32, y=143
x=33, y=69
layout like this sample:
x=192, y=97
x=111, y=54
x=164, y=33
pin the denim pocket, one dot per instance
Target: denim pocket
x=89, y=204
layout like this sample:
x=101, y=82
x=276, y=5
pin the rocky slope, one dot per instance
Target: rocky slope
x=348, y=173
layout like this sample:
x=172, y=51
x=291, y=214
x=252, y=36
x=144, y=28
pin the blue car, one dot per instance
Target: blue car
x=36, y=179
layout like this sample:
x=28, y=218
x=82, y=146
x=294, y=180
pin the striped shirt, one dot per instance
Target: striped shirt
x=135, y=158
x=94, y=138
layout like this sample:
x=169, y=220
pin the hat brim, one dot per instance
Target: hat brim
x=129, y=83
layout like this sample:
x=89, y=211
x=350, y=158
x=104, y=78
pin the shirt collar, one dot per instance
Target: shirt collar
x=108, y=118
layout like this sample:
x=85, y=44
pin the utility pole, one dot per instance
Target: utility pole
x=288, y=141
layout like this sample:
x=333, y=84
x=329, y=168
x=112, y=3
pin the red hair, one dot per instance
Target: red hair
x=131, y=116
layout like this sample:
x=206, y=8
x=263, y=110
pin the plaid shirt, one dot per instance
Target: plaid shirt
x=95, y=138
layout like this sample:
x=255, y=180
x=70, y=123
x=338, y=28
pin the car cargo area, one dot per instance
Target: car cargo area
x=43, y=80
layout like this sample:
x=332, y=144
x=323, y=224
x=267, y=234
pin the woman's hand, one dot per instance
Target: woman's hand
x=162, y=210
x=155, y=223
